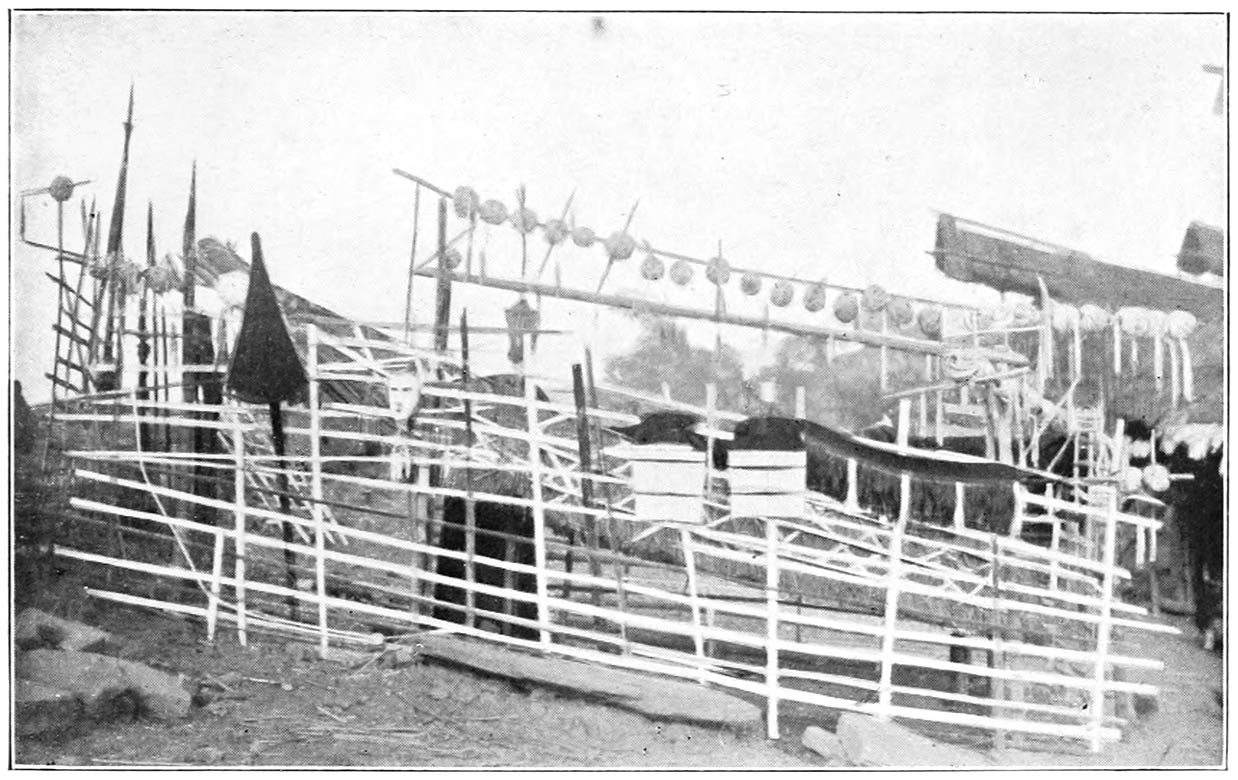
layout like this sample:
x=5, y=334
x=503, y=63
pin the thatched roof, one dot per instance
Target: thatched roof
x=972, y=252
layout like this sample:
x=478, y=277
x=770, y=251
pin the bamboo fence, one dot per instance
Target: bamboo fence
x=836, y=608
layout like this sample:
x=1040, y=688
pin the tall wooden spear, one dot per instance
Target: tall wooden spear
x=144, y=436
x=115, y=249
x=265, y=368
x=197, y=349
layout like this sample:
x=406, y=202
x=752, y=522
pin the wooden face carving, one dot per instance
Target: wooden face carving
x=403, y=393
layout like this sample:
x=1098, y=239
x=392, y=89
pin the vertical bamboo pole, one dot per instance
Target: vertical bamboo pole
x=1020, y=509
x=470, y=505
x=238, y=503
x=885, y=687
x=939, y=418
x=928, y=378
x=420, y=503
x=853, y=485
x=586, y=485
x=711, y=403
x=904, y=480
x=960, y=518
x=1106, y=619
x=801, y=403
x=613, y=529
x=1055, y=542
x=539, y=510
x=316, y=508
x=1175, y=382
x=212, y=604
x=694, y=599
x=412, y=263
x=885, y=353
x=772, y=585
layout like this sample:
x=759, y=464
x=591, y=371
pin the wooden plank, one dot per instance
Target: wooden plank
x=627, y=302
x=655, y=697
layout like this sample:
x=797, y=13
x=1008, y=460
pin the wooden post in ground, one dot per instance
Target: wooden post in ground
x=586, y=467
x=539, y=511
x=470, y=505
x=316, y=507
x=852, y=501
x=612, y=526
x=1103, y=628
x=711, y=403
x=885, y=685
x=960, y=504
x=694, y=600
x=772, y=584
x=904, y=480
x=217, y=565
x=238, y=502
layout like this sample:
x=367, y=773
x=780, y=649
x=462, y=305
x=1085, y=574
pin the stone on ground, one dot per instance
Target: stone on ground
x=870, y=742
x=103, y=683
x=36, y=628
x=44, y=710
x=823, y=742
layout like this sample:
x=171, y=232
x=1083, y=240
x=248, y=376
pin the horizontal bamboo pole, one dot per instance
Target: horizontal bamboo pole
x=1099, y=513
x=909, y=586
x=253, y=619
x=725, y=636
x=903, y=343
x=924, y=568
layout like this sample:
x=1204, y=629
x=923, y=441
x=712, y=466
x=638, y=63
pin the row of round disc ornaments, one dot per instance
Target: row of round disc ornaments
x=620, y=246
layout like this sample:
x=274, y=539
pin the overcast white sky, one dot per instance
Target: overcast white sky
x=813, y=144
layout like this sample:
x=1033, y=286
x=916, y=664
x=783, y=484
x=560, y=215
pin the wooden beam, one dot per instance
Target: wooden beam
x=656, y=307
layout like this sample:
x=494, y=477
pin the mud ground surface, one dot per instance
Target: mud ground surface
x=275, y=704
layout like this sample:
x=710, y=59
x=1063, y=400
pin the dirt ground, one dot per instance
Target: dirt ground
x=276, y=704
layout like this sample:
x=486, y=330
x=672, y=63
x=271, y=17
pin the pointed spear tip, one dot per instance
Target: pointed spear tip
x=129, y=120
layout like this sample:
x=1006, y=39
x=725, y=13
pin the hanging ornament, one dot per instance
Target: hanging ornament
x=652, y=268
x=525, y=219
x=929, y=320
x=465, y=201
x=1133, y=320
x=681, y=272
x=583, y=237
x=160, y=278
x=1092, y=318
x=619, y=246
x=718, y=271
x=1180, y=324
x=232, y=288
x=1025, y=315
x=782, y=293
x=1156, y=478
x=874, y=298
x=453, y=258
x=814, y=298
x=1131, y=479
x=556, y=231
x=750, y=283
x=1065, y=318
x=846, y=307
x=103, y=267
x=1188, y=372
x=1158, y=322
x=61, y=189
x=493, y=212
x=129, y=274
x=900, y=312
